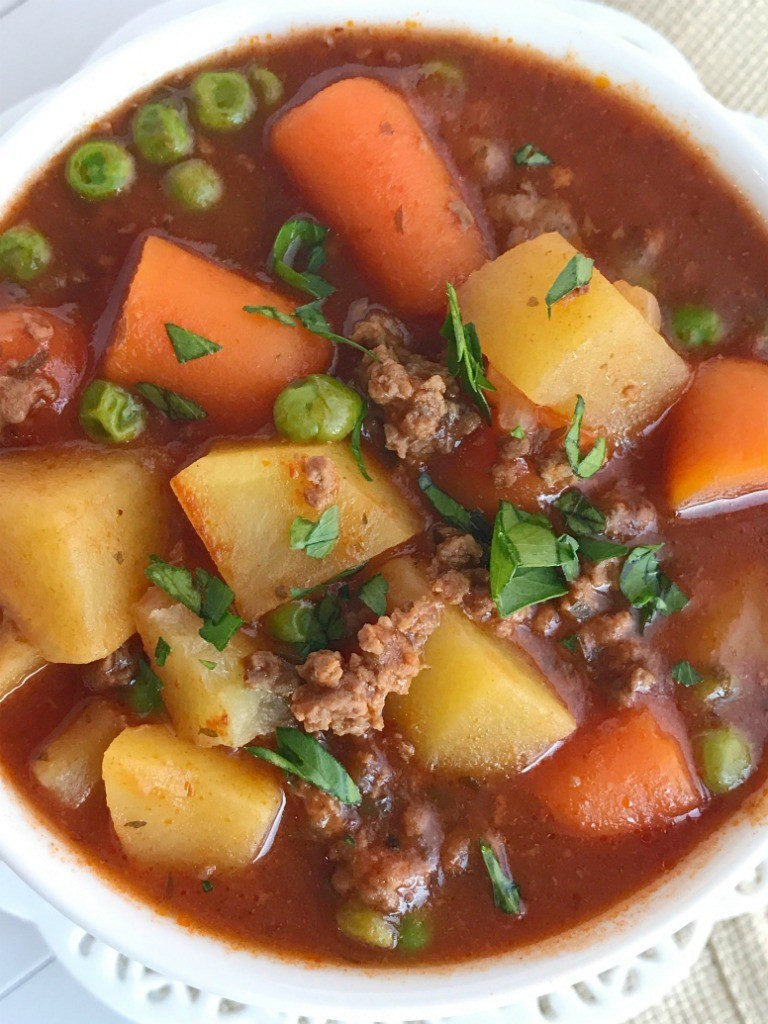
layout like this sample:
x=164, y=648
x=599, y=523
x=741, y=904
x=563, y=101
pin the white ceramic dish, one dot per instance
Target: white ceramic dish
x=284, y=987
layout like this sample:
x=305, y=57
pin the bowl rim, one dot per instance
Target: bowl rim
x=56, y=870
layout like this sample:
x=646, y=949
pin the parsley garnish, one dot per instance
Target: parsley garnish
x=300, y=754
x=506, y=893
x=373, y=593
x=146, y=693
x=162, y=650
x=570, y=643
x=319, y=538
x=568, y=554
x=297, y=234
x=471, y=521
x=344, y=574
x=187, y=345
x=575, y=275
x=311, y=317
x=355, y=442
x=171, y=403
x=601, y=550
x=525, y=557
x=581, y=516
x=205, y=595
x=531, y=156
x=686, y=674
x=464, y=356
x=206, y=886
x=518, y=432
x=594, y=459
x=210, y=665
x=646, y=587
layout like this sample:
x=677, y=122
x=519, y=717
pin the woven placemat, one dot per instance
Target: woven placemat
x=727, y=42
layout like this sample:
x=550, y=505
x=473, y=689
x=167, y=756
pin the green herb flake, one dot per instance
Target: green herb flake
x=300, y=235
x=525, y=560
x=355, y=440
x=506, y=893
x=187, y=345
x=594, y=459
x=568, y=556
x=349, y=840
x=570, y=643
x=146, y=693
x=471, y=521
x=573, y=279
x=330, y=618
x=206, y=886
x=210, y=665
x=464, y=356
x=646, y=587
x=162, y=650
x=518, y=432
x=302, y=755
x=601, y=550
x=312, y=318
x=531, y=156
x=316, y=539
x=205, y=595
x=373, y=593
x=220, y=633
x=176, y=581
x=272, y=313
x=171, y=403
x=580, y=515
x=685, y=674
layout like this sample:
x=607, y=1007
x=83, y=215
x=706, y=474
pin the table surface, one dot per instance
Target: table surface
x=44, y=41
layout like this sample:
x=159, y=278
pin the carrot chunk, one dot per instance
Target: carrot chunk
x=368, y=168
x=718, y=439
x=236, y=384
x=624, y=775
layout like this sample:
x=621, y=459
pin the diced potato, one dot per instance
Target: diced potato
x=77, y=529
x=179, y=806
x=597, y=344
x=242, y=498
x=69, y=766
x=208, y=706
x=18, y=659
x=480, y=706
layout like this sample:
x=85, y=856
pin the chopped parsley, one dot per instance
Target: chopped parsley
x=171, y=403
x=373, y=593
x=518, y=432
x=572, y=279
x=464, y=356
x=300, y=235
x=531, y=156
x=162, y=650
x=580, y=515
x=355, y=442
x=685, y=674
x=646, y=587
x=312, y=318
x=205, y=595
x=146, y=693
x=570, y=643
x=206, y=886
x=506, y=892
x=187, y=345
x=526, y=560
x=595, y=457
x=316, y=539
x=471, y=521
x=601, y=550
x=568, y=554
x=302, y=755
x=210, y=665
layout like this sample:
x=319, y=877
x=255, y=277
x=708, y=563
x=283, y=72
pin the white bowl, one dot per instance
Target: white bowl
x=65, y=877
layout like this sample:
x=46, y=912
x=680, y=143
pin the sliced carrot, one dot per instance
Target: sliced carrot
x=369, y=170
x=236, y=385
x=621, y=776
x=718, y=435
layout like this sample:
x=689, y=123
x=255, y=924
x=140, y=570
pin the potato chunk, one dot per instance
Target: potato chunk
x=208, y=706
x=480, y=706
x=597, y=344
x=179, y=806
x=18, y=659
x=242, y=499
x=69, y=766
x=78, y=527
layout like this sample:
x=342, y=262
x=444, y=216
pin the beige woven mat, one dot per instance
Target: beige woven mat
x=727, y=42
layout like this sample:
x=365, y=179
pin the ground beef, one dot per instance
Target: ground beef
x=545, y=620
x=391, y=871
x=267, y=671
x=460, y=551
x=621, y=657
x=491, y=159
x=455, y=857
x=117, y=669
x=323, y=482
x=22, y=386
x=605, y=630
x=424, y=409
x=591, y=593
x=555, y=470
x=628, y=514
x=347, y=695
x=326, y=814
x=529, y=214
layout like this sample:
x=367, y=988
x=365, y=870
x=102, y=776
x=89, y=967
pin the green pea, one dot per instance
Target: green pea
x=362, y=924
x=24, y=254
x=317, y=408
x=223, y=100
x=293, y=623
x=267, y=84
x=110, y=413
x=194, y=184
x=724, y=758
x=414, y=931
x=697, y=325
x=162, y=133
x=100, y=170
